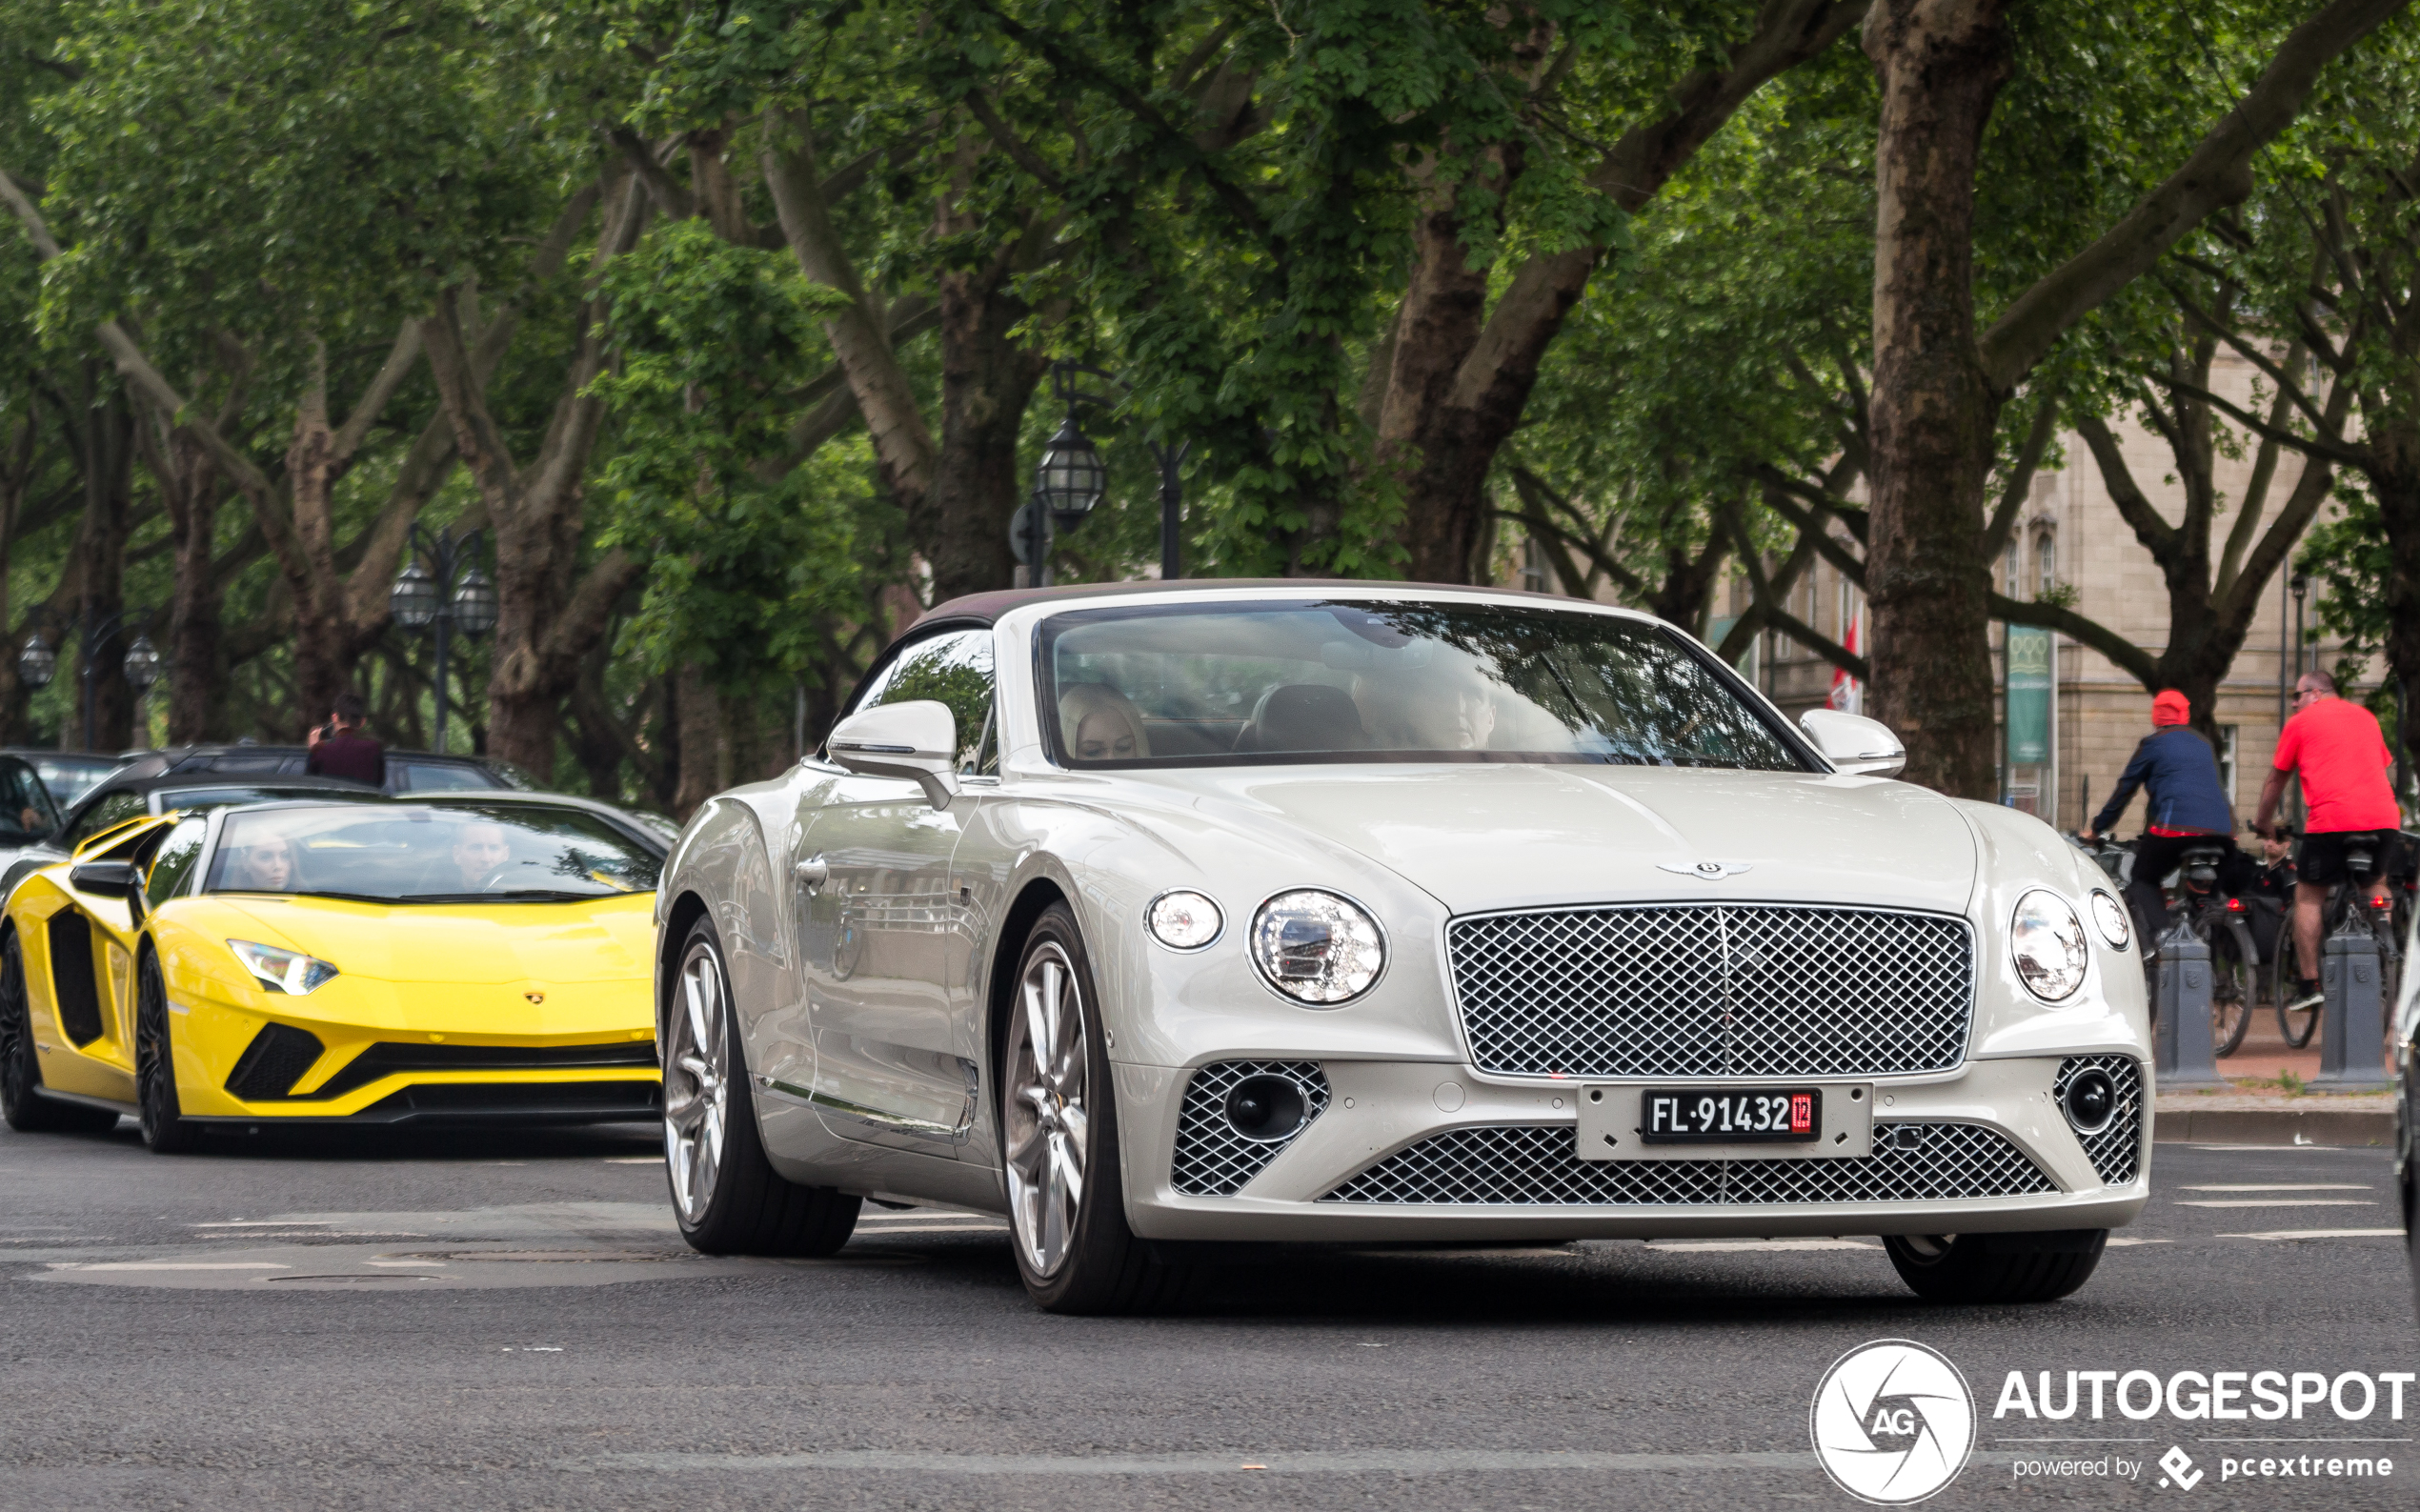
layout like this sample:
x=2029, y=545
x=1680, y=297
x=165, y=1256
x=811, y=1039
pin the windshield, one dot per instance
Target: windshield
x=464, y=853
x=1267, y=682
x=69, y=779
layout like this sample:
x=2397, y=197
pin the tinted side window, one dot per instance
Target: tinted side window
x=953, y=668
x=174, y=861
x=431, y=776
x=116, y=808
x=25, y=804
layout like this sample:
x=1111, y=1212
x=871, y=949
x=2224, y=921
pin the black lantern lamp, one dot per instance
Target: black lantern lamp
x=413, y=599
x=37, y=664
x=474, y=604
x=142, y=665
x=1072, y=477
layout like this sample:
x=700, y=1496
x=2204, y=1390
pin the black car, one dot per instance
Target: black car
x=123, y=797
x=413, y=771
x=68, y=775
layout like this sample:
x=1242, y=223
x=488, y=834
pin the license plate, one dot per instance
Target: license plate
x=1764, y=1115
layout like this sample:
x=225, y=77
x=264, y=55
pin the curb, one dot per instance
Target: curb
x=2274, y=1126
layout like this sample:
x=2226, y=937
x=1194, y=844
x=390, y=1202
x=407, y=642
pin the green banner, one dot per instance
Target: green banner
x=2029, y=696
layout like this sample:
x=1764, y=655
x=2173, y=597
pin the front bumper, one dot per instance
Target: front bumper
x=1423, y=1150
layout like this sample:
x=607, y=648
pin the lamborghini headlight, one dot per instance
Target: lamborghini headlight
x=2045, y=940
x=1317, y=947
x=289, y=971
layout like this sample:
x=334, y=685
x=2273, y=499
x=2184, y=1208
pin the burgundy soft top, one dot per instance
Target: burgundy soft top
x=986, y=609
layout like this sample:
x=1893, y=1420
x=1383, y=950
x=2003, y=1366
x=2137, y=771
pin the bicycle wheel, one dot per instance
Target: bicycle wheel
x=2233, y=990
x=2295, y=1024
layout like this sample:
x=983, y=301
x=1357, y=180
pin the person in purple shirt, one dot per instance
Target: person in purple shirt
x=338, y=749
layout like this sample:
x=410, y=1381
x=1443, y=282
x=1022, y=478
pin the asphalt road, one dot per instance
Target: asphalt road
x=511, y=1322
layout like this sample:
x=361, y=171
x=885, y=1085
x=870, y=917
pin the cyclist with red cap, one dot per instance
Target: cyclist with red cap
x=2347, y=797
x=2184, y=804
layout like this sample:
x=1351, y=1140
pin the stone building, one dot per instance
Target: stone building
x=2070, y=534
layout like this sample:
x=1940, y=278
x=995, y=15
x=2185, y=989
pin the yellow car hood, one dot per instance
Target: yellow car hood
x=608, y=939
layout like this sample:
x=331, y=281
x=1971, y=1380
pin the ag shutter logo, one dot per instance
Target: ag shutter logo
x=1892, y=1421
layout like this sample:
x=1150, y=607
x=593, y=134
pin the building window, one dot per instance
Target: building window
x=2227, y=761
x=2046, y=573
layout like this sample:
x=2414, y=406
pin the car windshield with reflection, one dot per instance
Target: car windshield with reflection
x=1262, y=682
x=460, y=853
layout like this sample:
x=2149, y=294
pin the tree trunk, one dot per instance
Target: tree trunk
x=2394, y=481
x=108, y=509
x=1933, y=411
x=196, y=661
x=697, y=726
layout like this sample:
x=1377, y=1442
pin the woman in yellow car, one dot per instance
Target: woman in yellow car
x=325, y=963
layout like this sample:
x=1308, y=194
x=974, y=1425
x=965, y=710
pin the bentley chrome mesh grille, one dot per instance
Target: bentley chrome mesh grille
x=1713, y=990
x=2116, y=1152
x=1535, y=1165
x=1213, y=1159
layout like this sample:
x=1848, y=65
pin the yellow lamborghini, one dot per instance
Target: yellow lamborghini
x=480, y=961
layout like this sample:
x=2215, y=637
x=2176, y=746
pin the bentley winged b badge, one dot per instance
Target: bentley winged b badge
x=1703, y=871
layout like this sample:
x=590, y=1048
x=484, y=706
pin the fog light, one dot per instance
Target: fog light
x=1266, y=1108
x=2091, y=1101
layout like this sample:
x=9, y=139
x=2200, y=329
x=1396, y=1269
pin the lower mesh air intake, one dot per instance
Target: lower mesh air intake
x=1535, y=1164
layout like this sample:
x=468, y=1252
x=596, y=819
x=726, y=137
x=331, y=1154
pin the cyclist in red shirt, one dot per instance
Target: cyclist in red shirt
x=2344, y=760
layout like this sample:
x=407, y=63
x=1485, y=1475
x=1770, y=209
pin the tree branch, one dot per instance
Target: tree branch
x=2217, y=174
x=2129, y=657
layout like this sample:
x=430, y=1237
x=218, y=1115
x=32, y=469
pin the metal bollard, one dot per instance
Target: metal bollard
x=2187, y=1058
x=2352, y=1035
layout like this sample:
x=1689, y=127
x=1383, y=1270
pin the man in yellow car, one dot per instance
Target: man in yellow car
x=479, y=851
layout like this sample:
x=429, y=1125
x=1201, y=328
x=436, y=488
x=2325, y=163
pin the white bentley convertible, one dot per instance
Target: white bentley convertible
x=1159, y=915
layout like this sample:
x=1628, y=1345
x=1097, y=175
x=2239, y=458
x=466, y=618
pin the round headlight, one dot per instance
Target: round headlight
x=2111, y=915
x=2045, y=940
x=1183, y=920
x=1315, y=947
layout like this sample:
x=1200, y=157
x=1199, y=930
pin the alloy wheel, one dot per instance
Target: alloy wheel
x=696, y=1083
x=1045, y=1109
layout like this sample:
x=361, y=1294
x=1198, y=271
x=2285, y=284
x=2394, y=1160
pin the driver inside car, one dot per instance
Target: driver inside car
x=264, y=866
x=1102, y=724
x=480, y=852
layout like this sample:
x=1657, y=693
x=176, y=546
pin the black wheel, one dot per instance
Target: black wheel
x=1059, y=1140
x=164, y=1127
x=2234, y=987
x=2284, y=984
x=727, y=1197
x=20, y=1069
x=1968, y=1269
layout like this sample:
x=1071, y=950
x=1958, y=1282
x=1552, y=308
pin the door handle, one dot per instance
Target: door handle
x=811, y=873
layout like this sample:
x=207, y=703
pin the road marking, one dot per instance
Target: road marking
x=2322, y=1233
x=932, y=1228
x=269, y=1222
x=175, y=1265
x=2312, y=1186
x=1733, y=1245
x=2288, y=1201
x=1379, y=1461
x=2120, y=1243
x=633, y=1159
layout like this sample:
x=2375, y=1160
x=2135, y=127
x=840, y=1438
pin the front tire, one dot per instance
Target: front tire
x=21, y=1104
x=1986, y=1269
x=1059, y=1140
x=165, y=1128
x=726, y=1195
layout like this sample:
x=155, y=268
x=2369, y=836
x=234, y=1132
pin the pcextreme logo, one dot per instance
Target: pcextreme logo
x=1894, y=1422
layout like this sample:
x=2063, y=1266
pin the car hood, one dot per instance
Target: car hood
x=1520, y=836
x=601, y=940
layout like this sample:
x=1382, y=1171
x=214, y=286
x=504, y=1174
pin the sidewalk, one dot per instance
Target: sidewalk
x=2268, y=1105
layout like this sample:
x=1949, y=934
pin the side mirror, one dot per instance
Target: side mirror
x=121, y=879
x=917, y=740
x=1856, y=745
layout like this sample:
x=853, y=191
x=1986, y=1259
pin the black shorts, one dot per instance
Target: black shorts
x=2323, y=855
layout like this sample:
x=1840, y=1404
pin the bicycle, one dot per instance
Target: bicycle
x=2383, y=916
x=2214, y=916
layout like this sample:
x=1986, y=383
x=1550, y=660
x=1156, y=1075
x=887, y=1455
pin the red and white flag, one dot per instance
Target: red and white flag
x=1849, y=696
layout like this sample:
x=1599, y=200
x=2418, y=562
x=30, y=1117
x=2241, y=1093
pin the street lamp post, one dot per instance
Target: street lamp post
x=438, y=603
x=1072, y=479
x=38, y=663
x=2301, y=584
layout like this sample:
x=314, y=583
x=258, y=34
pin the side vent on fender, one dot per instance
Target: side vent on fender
x=274, y=1061
x=71, y=985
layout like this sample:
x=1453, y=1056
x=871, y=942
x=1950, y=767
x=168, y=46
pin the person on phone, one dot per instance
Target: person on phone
x=338, y=749
x=2184, y=804
x=2349, y=802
